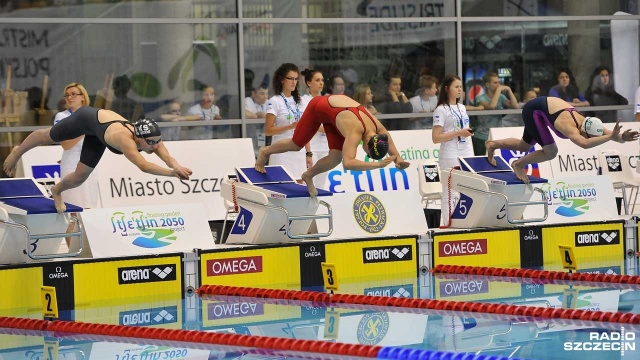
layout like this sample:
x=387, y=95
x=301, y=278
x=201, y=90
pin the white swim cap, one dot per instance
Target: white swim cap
x=592, y=126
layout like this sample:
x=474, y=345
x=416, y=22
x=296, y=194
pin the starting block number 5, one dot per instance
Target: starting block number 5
x=330, y=276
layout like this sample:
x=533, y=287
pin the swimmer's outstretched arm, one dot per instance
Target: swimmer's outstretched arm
x=130, y=151
x=163, y=154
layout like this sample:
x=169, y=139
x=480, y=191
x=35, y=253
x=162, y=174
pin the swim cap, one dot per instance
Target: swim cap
x=592, y=126
x=146, y=128
x=378, y=146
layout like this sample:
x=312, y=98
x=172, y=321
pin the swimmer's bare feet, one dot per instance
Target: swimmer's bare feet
x=57, y=200
x=309, y=181
x=520, y=173
x=261, y=161
x=9, y=165
x=490, y=146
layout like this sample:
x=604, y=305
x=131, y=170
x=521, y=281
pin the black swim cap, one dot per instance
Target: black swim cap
x=378, y=146
x=146, y=128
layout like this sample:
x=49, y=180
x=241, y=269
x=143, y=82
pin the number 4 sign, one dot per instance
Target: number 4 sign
x=568, y=260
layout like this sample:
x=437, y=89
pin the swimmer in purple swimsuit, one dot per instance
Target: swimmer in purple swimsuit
x=545, y=114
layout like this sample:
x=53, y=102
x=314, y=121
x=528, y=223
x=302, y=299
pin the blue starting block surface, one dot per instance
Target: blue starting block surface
x=501, y=172
x=277, y=180
x=25, y=196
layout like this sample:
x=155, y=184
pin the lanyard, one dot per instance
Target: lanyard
x=459, y=117
x=295, y=112
x=210, y=113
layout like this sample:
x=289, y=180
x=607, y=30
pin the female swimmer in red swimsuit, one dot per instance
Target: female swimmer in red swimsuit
x=346, y=123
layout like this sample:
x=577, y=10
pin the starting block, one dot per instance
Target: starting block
x=490, y=196
x=273, y=208
x=27, y=212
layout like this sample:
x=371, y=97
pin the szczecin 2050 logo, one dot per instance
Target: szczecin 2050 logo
x=369, y=213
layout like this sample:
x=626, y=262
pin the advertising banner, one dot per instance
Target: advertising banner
x=139, y=230
x=123, y=184
x=276, y=267
x=572, y=199
x=498, y=248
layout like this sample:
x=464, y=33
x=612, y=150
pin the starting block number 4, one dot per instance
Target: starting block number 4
x=569, y=261
x=49, y=302
x=330, y=276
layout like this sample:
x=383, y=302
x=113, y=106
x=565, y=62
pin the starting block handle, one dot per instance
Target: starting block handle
x=29, y=237
x=328, y=215
x=520, y=203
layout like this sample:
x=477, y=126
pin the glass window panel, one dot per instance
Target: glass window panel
x=213, y=9
x=156, y=63
x=359, y=53
x=530, y=54
x=547, y=7
x=347, y=9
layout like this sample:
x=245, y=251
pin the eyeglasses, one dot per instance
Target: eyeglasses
x=291, y=78
x=72, y=95
x=152, y=141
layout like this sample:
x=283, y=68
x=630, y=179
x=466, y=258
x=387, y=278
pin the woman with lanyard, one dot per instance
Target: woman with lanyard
x=451, y=130
x=283, y=113
x=318, y=144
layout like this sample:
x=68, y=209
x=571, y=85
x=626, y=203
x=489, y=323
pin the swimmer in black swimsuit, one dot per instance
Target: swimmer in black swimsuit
x=545, y=114
x=102, y=129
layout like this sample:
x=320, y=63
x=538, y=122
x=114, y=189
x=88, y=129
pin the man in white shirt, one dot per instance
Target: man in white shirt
x=256, y=104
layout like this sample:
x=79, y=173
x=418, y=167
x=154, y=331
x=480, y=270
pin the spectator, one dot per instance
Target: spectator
x=451, y=130
x=602, y=93
x=256, y=105
x=122, y=104
x=512, y=120
x=394, y=101
x=364, y=96
x=567, y=90
x=174, y=114
x=208, y=111
x=336, y=85
x=283, y=113
x=318, y=145
x=425, y=101
x=496, y=97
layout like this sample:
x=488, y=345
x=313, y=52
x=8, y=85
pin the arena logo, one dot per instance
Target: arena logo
x=145, y=317
x=372, y=328
x=223, y=310
x=402, y=291
x=369, y=213
x=466, y=287
x=144, y=274
x=386, y=254
x=613, y=162
x=431, y=173
x=462, y=247
x=233, y=266
x=596, y=238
